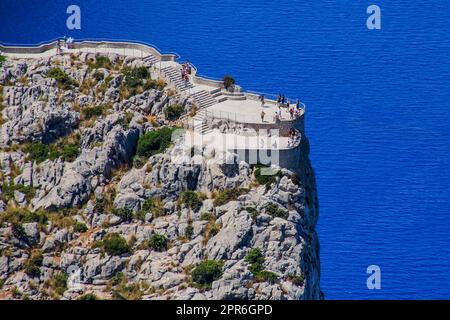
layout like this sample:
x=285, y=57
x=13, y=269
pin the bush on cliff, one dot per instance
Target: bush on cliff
x=173, y=112
x=79, y=227
x=273, y=210
x=114, y=245
x=88, y=297
x=125, y=214
x=93, y=112
x=2, y=60
x=58, y=284
x=33, y=264
x=192, y=200
x=154, y=206
x=9, y=189
x=207, y=272
x=100, y=62
x=265, y=176
x=134, y=77
x=225, y=196
x=256, y=261
x=64, y=81
x=158, y=242
x=154, y=142
x=68, y=148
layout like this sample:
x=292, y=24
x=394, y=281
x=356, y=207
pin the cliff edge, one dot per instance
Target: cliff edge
x=96, y=201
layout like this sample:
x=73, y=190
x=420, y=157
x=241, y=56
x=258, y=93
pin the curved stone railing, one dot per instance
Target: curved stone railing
x=95, y=44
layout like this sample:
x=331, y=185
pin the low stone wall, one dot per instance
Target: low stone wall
x=90, y=44
x=283, y=126
x=285, y=158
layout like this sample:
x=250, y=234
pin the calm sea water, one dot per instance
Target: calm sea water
x=378, y=112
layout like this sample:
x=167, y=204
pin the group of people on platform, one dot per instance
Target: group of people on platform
x=294, y=111
x=186, y=71
x=293, y=137
x=66, y=42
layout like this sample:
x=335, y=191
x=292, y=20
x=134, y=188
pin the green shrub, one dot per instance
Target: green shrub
x=2, y=60
x=192, y=200
x=254, y=213
x=158, y=242
x=173, y=112
x=80, y=227
x=91, y=112
x=115, y=245
x=206, y=216
x=134, y=78
x=256, y=261
x=19, y=216
x=189, y=232
x=8, y=190
x=207, y=272
x=154, y=142
x=154, y=206
x=88, y=297
x=228, y=81
x=38, y=152
x=273, y=210
x=125, y=214
x=58, y=283
x=264, y=179
x=225, y=196
x=18, y=231
x=100, y=205
x=266, y=276
x=70, y=153
x=297, y=280
x=100, y=62
x=64, y=81
x=68, y=148
x=33, y=263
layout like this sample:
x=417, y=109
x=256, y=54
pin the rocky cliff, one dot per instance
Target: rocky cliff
x=83, y=216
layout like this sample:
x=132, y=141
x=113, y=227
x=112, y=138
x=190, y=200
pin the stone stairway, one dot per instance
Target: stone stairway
x=174, y=76
x=203, y=99
x=200, y=123
x=150, y=59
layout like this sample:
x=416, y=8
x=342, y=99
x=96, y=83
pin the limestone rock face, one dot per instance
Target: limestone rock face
x=120, y=226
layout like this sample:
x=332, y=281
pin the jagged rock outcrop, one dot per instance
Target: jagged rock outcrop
x=121, y=229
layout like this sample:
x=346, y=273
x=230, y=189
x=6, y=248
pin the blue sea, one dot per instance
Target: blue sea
x=378, y=112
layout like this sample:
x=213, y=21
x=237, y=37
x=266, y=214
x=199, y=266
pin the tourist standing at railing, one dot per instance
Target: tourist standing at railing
x=261, y=97
x=298, y=104
x=262, y=116
x=291, y=112
x=58, y=47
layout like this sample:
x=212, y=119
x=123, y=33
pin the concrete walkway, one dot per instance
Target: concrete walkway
x=247, y=111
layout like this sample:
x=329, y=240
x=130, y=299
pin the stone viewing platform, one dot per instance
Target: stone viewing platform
x=228, y=119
